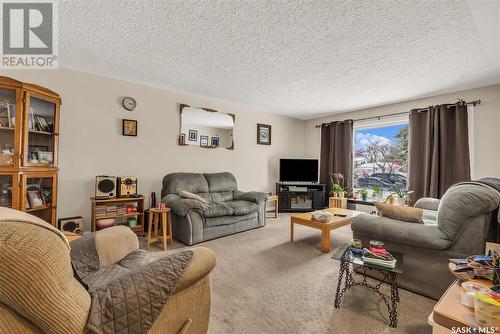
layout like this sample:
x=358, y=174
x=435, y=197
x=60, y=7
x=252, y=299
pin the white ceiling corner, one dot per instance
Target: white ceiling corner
x=298, y=58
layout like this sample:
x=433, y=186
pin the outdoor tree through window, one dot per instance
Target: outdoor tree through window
x=380, y=160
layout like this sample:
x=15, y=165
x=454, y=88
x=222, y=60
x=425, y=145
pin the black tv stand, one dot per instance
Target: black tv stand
x=300, y=196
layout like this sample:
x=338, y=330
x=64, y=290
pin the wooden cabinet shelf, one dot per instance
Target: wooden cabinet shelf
x=114, y=203
x=121, y=216
x=42, y=132
x=23, y=107
x=38, y=208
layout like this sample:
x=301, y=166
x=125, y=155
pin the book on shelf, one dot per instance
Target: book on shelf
x=108, y=211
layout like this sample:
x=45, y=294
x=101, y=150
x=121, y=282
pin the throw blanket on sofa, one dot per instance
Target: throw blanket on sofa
x=127, y=296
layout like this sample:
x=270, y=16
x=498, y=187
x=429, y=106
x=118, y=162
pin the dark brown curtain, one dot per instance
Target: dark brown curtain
x=438, y=149
x=336, y=153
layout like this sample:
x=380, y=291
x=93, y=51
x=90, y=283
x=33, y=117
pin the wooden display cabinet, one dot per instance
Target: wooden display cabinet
x=9, y=190
x=29, y=137
x=41, y=186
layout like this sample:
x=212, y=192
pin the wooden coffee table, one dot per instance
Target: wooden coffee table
x=335, y=222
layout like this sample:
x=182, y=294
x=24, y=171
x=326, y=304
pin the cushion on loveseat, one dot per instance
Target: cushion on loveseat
x=220, y=182
x=242, y=208
x=176, y=182
x=217, y=209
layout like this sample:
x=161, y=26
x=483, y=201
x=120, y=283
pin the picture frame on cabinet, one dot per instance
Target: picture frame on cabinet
x=41, y=123
x=45, y=157
x=5, y=115
x=35, y=198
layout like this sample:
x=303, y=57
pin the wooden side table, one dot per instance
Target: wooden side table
x=71, y=236
x=273, y=198
x=449, y=313
x=154, y=219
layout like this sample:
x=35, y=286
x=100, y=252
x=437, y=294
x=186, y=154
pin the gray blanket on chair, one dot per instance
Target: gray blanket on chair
x=127, y=296
x=494, y=230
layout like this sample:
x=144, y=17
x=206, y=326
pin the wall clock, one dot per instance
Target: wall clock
x=129, y=103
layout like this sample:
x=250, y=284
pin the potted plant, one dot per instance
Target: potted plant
x=390, y=199
x=400, y=194
x=377, y=192
x=364, y=193
x=337, y=190
x=338, y=187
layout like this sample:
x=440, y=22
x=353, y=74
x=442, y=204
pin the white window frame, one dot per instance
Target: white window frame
x=381, y=122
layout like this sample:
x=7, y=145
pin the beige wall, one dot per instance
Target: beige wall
x=91, y=142
x=485, y=132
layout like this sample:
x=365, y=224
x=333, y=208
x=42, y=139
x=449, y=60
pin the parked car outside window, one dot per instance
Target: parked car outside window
x=392, y=177
x=370, y=182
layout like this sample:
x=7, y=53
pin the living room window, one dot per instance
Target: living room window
x=380, y=159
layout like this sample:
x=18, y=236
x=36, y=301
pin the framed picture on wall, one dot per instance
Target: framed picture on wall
x=215, y=141
x=193, y=135
x=203, y=140
x=263, y=134
x=129, y=127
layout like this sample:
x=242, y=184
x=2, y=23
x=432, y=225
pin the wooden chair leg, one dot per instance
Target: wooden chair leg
x=170, y=231
x=156, y=221
x=164, y=228
x=150, y=227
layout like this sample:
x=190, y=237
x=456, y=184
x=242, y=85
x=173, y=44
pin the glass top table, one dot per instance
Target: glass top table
x=352, y=264
x=343, y=253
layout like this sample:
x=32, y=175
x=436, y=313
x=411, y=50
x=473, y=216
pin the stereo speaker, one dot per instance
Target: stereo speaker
x=71, y=224
x=126, y=186
x=105, y=187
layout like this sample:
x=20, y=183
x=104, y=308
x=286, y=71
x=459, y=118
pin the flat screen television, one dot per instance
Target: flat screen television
x=299, y=170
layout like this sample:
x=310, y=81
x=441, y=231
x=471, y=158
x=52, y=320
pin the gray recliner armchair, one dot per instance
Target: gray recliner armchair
x=226, y=211
x=463, y=216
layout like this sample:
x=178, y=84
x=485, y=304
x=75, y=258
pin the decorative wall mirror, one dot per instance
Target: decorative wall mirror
x=206, y=128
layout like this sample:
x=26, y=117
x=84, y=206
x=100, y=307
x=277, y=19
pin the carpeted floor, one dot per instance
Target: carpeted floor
x=264, y=284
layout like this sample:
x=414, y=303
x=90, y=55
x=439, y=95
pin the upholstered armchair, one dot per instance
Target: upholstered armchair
x=459, y=228
x=39, y=292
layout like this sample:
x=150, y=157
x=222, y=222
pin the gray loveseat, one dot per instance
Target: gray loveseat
x=462, y=219
x=228, y=210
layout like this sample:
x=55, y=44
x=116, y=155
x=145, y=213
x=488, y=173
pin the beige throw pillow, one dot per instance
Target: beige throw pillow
x=189, y=195
x=400, y=212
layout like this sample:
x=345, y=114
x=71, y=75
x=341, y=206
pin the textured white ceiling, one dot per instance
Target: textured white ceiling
x=299, y=58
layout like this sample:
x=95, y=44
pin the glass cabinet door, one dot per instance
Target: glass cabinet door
x=39, y=195
x=8, y=109
x=41, y=135
x=8, y=190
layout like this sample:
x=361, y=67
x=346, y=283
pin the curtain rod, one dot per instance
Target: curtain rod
x=474, y=103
